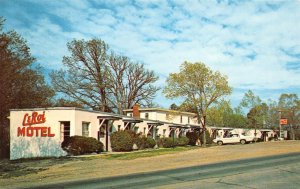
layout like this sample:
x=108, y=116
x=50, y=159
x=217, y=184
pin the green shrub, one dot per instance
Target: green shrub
x=122, y=141
x=76, y=145
x=167, y=142
x=182, y=141
x=145, y=142
x=141, y=142
x=150, y=143
x=193, y=137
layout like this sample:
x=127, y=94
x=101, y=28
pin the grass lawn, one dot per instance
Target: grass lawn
x=34, y=165
x=146, y=153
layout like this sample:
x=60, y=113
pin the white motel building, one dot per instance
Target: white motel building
x=39, y=132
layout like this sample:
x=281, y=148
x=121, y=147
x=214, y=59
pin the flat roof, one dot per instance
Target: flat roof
x=158, y=123
x=160, y=110
x=109, y=117
x=132, y=120
x=179, y=126
x=93, y=111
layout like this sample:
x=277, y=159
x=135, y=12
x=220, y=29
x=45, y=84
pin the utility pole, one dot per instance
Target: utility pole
x=279, y=114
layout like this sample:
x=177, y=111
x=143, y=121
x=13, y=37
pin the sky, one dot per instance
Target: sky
x=255, y=43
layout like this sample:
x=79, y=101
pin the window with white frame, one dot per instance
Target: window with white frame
x=85, y=129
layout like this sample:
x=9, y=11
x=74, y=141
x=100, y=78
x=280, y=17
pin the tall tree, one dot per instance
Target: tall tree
x=289, y=107
x=130, y=83
x=22, y=84
x=271, y=117
x=223, y=115
x=217, y=114
x=255, y=109
x=99, y=79
x=199, y=86
x=257, y=116
x=250, y=100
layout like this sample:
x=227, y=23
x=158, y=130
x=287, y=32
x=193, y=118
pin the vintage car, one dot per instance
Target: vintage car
x=234, y=138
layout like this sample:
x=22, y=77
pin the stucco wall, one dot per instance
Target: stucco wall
x=37, y=142
x=41, y=136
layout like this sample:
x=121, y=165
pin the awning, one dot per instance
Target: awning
x=131, y=120
x=179, y=126
x=155, y=123
x=109, y=117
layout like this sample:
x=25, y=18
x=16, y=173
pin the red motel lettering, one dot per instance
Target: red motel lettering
x=34, y=131
x=35, y=118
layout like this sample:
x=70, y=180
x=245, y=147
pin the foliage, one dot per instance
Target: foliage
x=257, y=110
x=257, y=115
x=199, y=86
x=250, y=100
x=150, y=143
x=122, y=141
x=174, y=107
x=167, y=142
x=289, y=106
x=145, y=142
x=22, y=84
x=182, y=141
x=76, y=145
x=193, y=137
x=222, y=115
x=141, y=142
x=99, y=79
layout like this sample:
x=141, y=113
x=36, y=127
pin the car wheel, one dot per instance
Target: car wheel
x=243, y=142
x=219, y=143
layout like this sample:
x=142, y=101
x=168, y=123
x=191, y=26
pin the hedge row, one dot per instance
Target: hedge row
x=170, y=142
x=124, y=140
x=120, y=141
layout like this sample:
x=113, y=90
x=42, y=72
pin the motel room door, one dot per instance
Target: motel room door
x=104, y=135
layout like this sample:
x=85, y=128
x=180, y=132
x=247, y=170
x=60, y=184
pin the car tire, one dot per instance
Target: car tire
x=220, y=143
x=243, y=141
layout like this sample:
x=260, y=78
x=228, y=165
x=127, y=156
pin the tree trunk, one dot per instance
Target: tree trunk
x=204, y=129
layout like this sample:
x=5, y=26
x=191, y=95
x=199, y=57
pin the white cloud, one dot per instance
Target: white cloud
x=251, y=42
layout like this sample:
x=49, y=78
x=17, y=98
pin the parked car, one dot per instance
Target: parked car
x=234, y=138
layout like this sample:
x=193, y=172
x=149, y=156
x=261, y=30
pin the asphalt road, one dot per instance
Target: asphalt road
x=282, y=171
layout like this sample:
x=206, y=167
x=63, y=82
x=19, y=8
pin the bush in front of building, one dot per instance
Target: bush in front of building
x=150, y=142
x=167, y=142
x=145, y=142
x=122, y=141
x=182, y=141
x=141, y=142
x=76, y=145
x=193, y=137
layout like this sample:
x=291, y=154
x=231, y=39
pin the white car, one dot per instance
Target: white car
x=233, y=138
